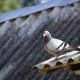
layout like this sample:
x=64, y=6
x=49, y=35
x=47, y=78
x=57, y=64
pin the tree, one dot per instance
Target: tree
x=31, y=2
x=6, y=5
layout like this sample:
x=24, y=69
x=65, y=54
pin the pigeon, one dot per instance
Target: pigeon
x=56, y=46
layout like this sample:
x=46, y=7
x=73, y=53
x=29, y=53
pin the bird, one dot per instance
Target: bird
x=56, y=46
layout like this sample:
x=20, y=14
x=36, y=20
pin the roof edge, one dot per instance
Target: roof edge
x=33, y=9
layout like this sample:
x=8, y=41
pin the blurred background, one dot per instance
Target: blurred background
x=7, y=5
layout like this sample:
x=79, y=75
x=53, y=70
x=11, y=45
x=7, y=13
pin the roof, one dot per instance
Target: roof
x=68, y=60
x=21, y=43
x=33, y=9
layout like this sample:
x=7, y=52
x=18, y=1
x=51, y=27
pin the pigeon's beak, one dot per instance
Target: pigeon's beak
x=44, y=35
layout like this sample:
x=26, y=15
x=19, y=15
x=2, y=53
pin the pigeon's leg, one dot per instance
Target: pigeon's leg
x=55, y=55
x=56, y=58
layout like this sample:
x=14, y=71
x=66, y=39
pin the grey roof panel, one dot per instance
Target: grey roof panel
x=33, y=9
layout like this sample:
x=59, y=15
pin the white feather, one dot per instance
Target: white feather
x=53, y=44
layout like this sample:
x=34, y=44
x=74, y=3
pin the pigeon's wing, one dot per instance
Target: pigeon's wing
x=69, y=49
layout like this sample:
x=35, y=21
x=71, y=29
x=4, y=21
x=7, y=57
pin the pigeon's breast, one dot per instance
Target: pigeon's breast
x=53, y=44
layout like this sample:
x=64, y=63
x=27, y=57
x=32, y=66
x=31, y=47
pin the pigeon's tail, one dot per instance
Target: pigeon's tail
x=78, y=48
x=79, y=42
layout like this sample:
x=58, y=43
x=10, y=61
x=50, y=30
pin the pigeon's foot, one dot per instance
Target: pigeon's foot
x=56, y=59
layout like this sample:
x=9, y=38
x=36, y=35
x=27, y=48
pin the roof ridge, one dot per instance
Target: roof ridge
x=33, y=9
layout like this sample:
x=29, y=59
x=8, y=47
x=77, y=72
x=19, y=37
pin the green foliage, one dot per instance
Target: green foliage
x=26, y=2
x=29, y=2
x=7, y=5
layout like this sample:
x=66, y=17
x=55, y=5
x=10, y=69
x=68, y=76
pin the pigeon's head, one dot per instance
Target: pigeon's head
x=46, y=36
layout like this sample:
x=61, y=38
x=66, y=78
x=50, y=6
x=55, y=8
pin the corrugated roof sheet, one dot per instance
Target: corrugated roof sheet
x=33, y=9
x=21, y=43
x=64, y=61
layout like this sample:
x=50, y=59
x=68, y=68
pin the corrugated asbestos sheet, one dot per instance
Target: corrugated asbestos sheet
x=21, y=43
x=69, y=61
